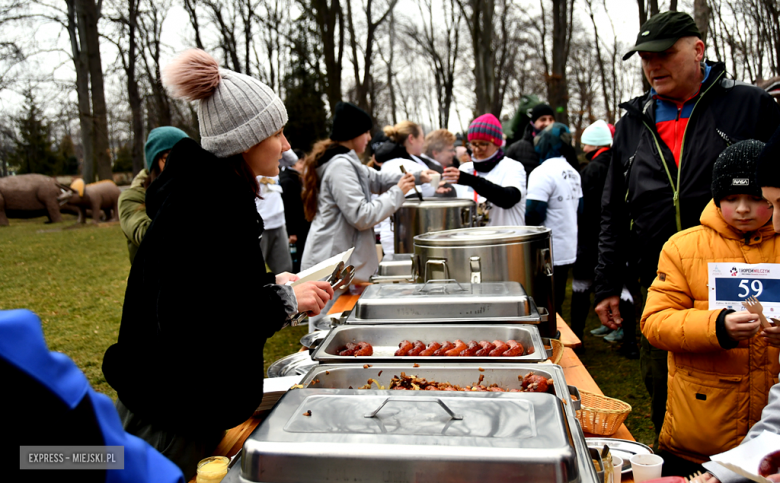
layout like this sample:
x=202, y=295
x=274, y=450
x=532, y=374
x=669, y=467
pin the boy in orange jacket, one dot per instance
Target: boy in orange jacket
x=719, y=372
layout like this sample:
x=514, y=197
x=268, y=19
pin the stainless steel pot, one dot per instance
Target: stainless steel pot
x=416, y=217
x=492, y=254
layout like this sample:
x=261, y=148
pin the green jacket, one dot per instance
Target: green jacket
x=132, y=213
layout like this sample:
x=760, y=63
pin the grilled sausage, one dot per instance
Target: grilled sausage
x=432, y=348
x=404, y=347
x=364, y=349
x=515, y=349
x=486, y=347
x=501, y=347
x=472, y=349
x=350, y=350
x=535, y=383
x=460, y=346
x=444, y=348
x=770, y=464
x=418, y=347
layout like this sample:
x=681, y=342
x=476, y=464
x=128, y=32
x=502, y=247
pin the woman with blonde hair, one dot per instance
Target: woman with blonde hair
x=191, y=307
x=337, y=191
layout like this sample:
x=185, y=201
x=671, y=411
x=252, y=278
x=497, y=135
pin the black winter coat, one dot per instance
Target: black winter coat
x=639, y=212
x=593, y=176
x=199, y=305
x=523, y=151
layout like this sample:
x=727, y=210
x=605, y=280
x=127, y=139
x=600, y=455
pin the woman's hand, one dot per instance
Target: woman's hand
x=406, y=182
x=312, y=296
x=284, y=277
x=451, y=174
x=292, y=238
x=742, y=325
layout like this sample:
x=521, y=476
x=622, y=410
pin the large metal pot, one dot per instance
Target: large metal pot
x=492, y=254
x=416, y=217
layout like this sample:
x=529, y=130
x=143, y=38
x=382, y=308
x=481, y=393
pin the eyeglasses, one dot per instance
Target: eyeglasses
x=478, y=145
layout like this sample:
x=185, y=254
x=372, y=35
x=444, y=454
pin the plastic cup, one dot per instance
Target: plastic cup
x=212, y=469
x=646, y=467
x=617, y=468
x=435, y=178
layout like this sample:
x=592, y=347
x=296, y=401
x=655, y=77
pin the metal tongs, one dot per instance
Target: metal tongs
x=419, y=195
x=340, y=277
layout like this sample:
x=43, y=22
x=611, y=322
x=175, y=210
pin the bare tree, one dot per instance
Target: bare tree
x=126, y=18
x=363, y=81
x=440, y=48
x=150, y=32
x=329, y=19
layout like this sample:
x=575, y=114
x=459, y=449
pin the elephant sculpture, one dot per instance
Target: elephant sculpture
x=29, y=196
x=99, y=197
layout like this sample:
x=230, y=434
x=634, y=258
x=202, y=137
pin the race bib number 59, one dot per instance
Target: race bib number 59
x=731, y=283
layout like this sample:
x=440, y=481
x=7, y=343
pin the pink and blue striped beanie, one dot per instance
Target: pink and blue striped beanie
x=486, y=128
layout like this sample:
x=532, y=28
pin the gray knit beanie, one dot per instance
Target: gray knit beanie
x=235, y=111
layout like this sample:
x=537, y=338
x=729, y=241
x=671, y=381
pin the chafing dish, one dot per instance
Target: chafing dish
x=396, y=264
x=385, y=340
x=507, y=376
x=432, y=302
x=340, y=435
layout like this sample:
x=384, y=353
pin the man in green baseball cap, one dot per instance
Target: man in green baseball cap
x=659, y=180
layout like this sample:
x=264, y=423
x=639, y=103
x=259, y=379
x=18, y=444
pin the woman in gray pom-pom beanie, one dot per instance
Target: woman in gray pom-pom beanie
x=198, y=296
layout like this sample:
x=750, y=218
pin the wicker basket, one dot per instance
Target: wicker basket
x=557, y=351
x=600, y=414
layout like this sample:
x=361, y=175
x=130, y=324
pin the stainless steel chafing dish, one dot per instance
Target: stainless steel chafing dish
x=433, y=302
x=340, y=435
x=396, y=268
x=507, y=376
x=385, y=340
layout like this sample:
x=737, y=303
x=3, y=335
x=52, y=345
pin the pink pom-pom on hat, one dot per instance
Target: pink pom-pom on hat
x=193, y=75
x=486, y=128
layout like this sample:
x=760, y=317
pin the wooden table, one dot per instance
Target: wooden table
x=573, y=370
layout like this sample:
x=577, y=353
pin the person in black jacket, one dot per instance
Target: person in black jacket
x=542, y=116
x=596, y=142
x=661, y=172
x=295, y=220
x=199, y=304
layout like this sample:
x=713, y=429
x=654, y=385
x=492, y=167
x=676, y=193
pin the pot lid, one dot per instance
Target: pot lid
x=438, y=203
x=486, y=235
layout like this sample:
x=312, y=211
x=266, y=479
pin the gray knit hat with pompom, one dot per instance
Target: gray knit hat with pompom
x=235, y=111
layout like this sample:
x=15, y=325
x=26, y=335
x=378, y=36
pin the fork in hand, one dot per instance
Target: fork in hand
x=754, y=307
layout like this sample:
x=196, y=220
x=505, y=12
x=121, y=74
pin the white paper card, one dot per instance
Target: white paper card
x=281, y=384
x=731, y=283
x=323, y=269
x=745, y=458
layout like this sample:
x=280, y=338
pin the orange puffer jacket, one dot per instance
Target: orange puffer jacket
x=715, y=395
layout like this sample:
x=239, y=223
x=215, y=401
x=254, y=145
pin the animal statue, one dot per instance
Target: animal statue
x=29, y=196
x=99, y=197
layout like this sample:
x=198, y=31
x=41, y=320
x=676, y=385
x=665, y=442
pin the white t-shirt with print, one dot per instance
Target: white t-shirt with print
x=558, y=184
x=270, y=204
x=507, y=172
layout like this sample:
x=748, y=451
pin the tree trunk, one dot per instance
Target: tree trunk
x=557, y=87
x=599, y=61
x=701, y=15
x=326, y=17
x=80, y=62
x=134, y=97
x=99, y=115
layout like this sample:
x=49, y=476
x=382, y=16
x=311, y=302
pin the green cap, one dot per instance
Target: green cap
x=662, y=31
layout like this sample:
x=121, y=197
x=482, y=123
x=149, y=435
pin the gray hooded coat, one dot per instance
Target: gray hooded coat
x=346, y=214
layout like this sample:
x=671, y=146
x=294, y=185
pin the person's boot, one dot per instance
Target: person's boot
x=629, y=349
x=601, y=331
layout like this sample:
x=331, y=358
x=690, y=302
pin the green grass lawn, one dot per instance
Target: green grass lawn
x=74, y=279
